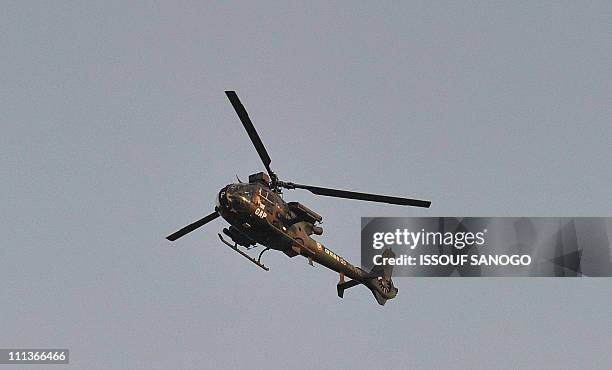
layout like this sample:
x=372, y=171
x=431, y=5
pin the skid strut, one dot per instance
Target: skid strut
x=255, y=261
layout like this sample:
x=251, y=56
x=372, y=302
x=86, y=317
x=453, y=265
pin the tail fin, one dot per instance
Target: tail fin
x=378, y=281
x=381, y=285
x=379, y=298
x=346, y=285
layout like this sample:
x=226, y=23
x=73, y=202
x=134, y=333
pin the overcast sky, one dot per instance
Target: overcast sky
x=116, y=132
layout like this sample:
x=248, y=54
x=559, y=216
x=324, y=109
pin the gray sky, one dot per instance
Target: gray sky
x=116, y=132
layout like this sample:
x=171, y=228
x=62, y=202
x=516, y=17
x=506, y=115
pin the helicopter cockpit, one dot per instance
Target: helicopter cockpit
x=236, y=196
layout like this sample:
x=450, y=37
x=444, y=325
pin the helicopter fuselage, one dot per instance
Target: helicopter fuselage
x=259, y=215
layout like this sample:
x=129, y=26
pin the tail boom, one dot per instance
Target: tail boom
x=378, y=280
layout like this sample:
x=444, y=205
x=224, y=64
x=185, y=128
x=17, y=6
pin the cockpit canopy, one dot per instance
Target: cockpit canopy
x=245, y=190
x=251, y=193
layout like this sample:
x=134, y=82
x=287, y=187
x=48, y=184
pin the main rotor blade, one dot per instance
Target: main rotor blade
x=189, y=228
x=250, y=129
x=361, y=196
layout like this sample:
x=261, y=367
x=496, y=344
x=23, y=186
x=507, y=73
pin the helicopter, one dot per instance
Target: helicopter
x=258, y=214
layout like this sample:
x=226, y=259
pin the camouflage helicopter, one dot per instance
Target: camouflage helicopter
x=257, y=214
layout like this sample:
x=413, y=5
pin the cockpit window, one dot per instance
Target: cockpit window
x=274, y=198
x=266, y=195
x=271, y=198
x=245, y=191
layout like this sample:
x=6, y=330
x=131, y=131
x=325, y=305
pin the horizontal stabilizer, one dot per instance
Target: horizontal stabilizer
x=346, y=285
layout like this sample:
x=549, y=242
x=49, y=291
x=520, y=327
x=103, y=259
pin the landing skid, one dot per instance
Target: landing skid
x=255, y=261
